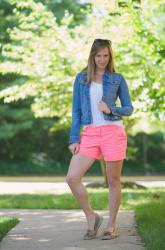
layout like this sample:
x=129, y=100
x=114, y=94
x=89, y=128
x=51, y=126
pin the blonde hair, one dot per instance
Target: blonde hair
x=97, y=45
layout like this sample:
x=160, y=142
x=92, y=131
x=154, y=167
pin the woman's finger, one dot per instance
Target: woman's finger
x=76, y=149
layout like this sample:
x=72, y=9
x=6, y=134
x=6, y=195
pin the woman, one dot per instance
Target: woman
x=95, y=92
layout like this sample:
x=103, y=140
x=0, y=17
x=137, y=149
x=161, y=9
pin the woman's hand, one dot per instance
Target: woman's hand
x=74, y=148
x=104, y=107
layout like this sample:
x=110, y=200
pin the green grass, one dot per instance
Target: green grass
x=148, y=205
x=6, y=223
x=98, y=198
x=150, y=218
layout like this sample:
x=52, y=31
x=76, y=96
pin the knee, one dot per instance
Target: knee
x=71, y=179
x=114, y=182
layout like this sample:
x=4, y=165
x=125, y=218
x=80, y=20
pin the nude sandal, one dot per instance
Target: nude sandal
x=91, y=234
x=107, y=235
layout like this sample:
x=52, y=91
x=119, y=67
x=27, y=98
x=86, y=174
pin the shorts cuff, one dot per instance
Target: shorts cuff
x=90, y=155
x=116, y=159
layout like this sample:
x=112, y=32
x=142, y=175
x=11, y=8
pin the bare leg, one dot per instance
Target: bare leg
x=113, y=174
x=78, y=166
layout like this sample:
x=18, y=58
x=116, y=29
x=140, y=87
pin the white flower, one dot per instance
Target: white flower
x=156, y=85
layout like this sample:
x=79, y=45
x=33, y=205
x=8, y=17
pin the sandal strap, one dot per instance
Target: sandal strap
x=106, y=233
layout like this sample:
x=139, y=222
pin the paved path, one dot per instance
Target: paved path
x=63, y=230
x=53, y=187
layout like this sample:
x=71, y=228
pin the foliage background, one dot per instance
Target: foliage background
x=43, y=45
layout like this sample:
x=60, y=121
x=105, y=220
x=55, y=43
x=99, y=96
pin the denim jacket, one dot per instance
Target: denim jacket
x=114, y=86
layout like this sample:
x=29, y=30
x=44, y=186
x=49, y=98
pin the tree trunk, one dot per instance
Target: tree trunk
x=145, y=163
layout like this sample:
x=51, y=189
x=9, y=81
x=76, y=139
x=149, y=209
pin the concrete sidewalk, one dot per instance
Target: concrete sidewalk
x=63, y=230
x=53, y=187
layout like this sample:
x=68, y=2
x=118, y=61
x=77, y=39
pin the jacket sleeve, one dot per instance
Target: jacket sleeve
x=76, y=112
x=126, y=108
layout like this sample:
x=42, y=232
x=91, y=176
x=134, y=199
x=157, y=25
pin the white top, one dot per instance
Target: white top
x=96, y=92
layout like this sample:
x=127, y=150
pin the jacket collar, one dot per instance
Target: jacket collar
x=106, y=76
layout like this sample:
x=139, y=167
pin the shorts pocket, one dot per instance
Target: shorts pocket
x=121, y=132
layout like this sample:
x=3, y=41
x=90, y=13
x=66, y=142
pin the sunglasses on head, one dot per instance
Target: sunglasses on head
x=102, y=41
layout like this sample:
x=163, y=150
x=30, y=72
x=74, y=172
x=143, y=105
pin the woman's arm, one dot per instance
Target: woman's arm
x=126, y=108
x=76, y=112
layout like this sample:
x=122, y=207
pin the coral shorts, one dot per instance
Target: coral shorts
x=110, y=141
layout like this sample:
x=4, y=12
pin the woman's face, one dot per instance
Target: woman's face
x=102, y=58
